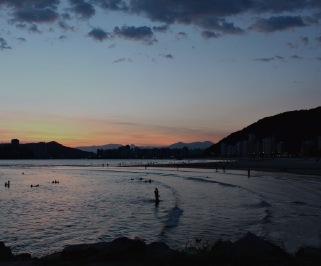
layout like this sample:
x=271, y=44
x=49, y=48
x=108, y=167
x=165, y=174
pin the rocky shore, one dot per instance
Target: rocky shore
x=249, y=250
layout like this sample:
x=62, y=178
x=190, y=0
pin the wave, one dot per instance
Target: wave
x=299, y=203
x=261, y=204
x=172, y=220
x=267, y=218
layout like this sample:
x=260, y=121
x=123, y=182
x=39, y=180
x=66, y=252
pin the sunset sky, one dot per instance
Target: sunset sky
x=153, y=72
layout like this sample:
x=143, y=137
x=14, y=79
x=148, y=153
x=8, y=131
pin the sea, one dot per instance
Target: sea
x=100, y=200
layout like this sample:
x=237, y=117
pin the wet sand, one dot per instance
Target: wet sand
x=311, y=166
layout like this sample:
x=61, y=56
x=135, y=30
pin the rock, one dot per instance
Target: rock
x=308, y=256
x=159, y=250
x=5, y=252
x=23, y=257
x=120, y=248
x=124, y=245
x=78, y=252
x=252, y=249
x=222, y=251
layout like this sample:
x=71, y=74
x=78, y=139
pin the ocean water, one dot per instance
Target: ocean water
x=93, y=203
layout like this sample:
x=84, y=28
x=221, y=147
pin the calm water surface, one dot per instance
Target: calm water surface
x=94, y=203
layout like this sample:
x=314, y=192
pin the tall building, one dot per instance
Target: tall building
x=280, y=148
x=268, y=146
x=252, y=144
x=15, y=142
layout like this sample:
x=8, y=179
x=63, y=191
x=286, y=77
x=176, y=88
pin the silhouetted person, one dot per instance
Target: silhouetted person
x=223, y=169
x=249, y=172
x=156, y=196
x=216, y=170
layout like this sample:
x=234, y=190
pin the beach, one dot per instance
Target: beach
x=308, y=166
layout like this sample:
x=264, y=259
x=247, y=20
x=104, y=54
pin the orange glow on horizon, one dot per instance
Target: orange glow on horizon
x=75, y=132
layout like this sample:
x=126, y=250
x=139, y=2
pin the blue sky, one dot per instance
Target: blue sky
x=138, y=85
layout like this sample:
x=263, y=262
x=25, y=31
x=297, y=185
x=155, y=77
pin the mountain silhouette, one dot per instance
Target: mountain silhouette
x=41, y=150
x=293, y=129
x=192, y=146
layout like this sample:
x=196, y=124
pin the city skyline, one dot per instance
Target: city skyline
x=153, y=72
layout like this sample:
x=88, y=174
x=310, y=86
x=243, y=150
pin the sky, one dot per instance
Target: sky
x=153, y=72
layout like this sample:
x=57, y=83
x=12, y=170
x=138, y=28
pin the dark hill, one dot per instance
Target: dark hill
x=291, y=131
x=41, y=150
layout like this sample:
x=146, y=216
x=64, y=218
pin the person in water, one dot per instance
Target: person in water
x=156, y=196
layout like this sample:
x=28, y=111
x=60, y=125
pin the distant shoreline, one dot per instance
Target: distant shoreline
x=286, y=165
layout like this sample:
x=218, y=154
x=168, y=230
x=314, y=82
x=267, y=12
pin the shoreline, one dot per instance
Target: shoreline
x=248, y=250
x=293, y=166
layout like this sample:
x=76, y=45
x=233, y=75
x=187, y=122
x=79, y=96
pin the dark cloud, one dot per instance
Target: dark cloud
x=318, y=58
x=213, y=17
x=187, y=11
x=33, y=15
x=297, y=57
x=318, y=39
x=219, y=24
x=122, y=60
x=144, y=33
x=269, y=59
x=112, y=4
x=21, y=39
x=265, y=59
x=65, y=26
x=162, y=28
x=83, y=8
x=279, y=57
x=292, y=45
x=278, y=23
x=305, y=40
x=21, y=4
x=3, y=44
x=62, y=37
x=98, y=34
x=213, y=14
x=34, y=29
x=209, y=34
x=65, y=16
x=181, y=35
x=167, y=56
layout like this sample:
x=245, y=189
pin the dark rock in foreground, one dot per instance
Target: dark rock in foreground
x=249, y=250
